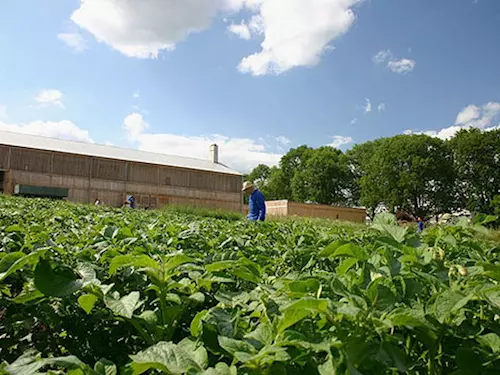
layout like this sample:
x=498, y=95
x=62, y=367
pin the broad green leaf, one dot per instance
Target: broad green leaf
x=490, y=340
x=449, y=302
x=220, y=369
x=197, y=297
x=396, y=232
x=55, y=282
x=87, y=274
x=304, y=286
x=105, y=367
x=29, y=259
x=9, y=259
x=263, y=334
x=136, y=261
x=220, y=266
x=166, y=357
x=411, y=318
x=299, y=310
x=330, y=249
x=28, y=296
x=172, y=297
x=346, y=266
x=176, y=261
x=87, y=302
x=196, y=351
x=149, y=317
x=245, y=274
x=232, y=346
x=350, y=250
x=124, y=306
x=197, y=323
x=327, y=368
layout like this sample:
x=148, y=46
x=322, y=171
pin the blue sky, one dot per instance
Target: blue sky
x=255, y=76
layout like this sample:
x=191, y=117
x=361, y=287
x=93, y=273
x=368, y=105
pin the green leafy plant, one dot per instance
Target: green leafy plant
x=94, y=290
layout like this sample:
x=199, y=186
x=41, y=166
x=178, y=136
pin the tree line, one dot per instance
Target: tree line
x=415, y=173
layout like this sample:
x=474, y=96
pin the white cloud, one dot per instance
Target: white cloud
x=241, y=30
x=136, y=94
x=339, y=140
x=296, y=32
x=134, y=124
x=282, y=140
x=143, y=29
x=368, y=106
x=50, y=97
x=354, y=121
x=242, y=154
x=54, y=129
x=469, y=113
x=471, y=116
x=381, y=107
x=74, y=40
x=382, y=56
x=401, y=66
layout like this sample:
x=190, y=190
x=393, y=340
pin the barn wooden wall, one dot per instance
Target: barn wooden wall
x=90, y=177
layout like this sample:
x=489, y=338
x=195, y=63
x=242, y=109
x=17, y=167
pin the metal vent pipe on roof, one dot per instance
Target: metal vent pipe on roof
x=214, y=154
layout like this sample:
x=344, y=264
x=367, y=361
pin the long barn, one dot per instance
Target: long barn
x=83, y=172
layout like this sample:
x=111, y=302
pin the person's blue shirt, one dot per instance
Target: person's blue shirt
x=420, y=226
x=256, y=206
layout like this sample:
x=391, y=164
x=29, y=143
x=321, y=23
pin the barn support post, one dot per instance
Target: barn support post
x=89, y=187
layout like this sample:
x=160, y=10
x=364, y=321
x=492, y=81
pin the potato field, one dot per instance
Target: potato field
x=101, y=291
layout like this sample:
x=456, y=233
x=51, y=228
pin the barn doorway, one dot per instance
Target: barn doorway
x=2, y=181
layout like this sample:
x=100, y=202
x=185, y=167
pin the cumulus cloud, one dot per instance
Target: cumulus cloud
x=242, y=154
x=381, y=107
x=241, y=30
x=401, y=66
x=368, y=106
x=282, y=140
x=469, y=117
x=50, y=97
x=55, y=129
x=134, y=124
x=74, y=40
x=143, y=29
x=296, y=32
x=382, y=56
x=339, y=140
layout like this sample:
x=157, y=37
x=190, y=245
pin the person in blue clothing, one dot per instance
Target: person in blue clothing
x=420, y=224
x=256, y=202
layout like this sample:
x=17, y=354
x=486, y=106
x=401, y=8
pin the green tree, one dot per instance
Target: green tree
x=291, y=163
x=412, y=172
x=358, y=159
x=324, y=177
x=477, y=162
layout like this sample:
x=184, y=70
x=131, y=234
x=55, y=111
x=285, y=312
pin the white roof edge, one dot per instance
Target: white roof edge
x=8, y=138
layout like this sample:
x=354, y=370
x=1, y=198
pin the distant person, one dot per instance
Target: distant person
x=256, y=202
x=420, y=224
x=129, y=202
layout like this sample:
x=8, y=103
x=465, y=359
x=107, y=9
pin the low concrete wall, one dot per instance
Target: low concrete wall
x=327, y=212
x=287, y=208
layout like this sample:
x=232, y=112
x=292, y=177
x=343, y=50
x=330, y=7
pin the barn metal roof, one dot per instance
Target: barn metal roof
x=110, y=152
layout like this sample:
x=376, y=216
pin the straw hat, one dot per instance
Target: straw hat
x=247, y=185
